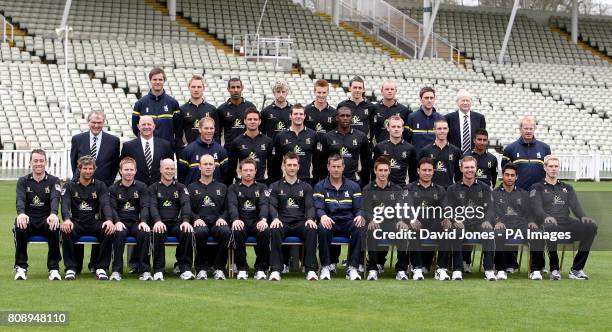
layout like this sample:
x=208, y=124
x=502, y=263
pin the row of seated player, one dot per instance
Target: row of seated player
x=336, y=206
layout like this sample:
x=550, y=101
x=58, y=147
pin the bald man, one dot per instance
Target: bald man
x=147, y=150
x=170, y=214
x=387, y=107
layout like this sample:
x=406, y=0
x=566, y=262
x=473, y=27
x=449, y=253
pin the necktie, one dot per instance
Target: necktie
x=148, y=156
x=93, y=152
x=465, y=137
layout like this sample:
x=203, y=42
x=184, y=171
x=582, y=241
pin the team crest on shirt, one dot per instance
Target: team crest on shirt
x=94, y=195
x=197, y=192
x=564, y=189
x=263, y=147
x=165, y=108
x=47, y=190
x=257, y=193
x=480, y=194
x=308, y=141
x=267, y=193
x=76, y=194
x=218, y=192
x=518, y=201
x=167, y=203
x=291, y=204
x=404, y=154
x=329, y=119
x=84, y=206
x=489, y=164
x=176, y=194
x=286, y=141
x=207, y=201
x=128, y=207
x=394, y=163
x=346, y=194
x=136, y=195
x=196, y=123
x=301, y=193
x=248, y=206
x=435, y=195
x=557, y=200
x=450, y=157
x=355, y=142
x=538, y=155
x=119, y=196
x=36, y=201
x=242, y=147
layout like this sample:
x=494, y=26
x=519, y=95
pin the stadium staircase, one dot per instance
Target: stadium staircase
x=191, y=27
x=585, y=46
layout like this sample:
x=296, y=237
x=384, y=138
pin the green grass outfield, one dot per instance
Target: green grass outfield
x=295, y=304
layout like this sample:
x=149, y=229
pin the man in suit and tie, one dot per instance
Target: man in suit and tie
x=104, y=149
x=148, y=151
x=462, y=124
x=101, y=146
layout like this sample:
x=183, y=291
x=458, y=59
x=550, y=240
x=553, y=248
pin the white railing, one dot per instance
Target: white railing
x=257, y=47
x=19, y=160
x=6, y=35
x=398, y=25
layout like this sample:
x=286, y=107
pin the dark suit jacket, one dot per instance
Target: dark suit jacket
x=162, y=149
x=107, y=159
x=477, y=121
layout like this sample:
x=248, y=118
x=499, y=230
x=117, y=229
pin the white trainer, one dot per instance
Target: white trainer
x=275, y=276
x=555, y=275
x=116, y=276
x=353, y=274
x=242, y=275
x=381, y=268
x=285, y=269
x=535, y=275
x=501, y=275
x=490, y=275
x=332, y=268
x=219, y=275
x=145, y=276
x=54, y=275
x=417, y=274
x=311, y=276
x=578, y=275
x=457, y=275
x=325, y=275
x=401, y=275
x=70, y=275
x=187, y=275
x=158, y=276
x=361, y=269
x=21, y=273
x=373, y=275
x=441, y=275
x=202, y=275
x=260, y=275
x=101, y=274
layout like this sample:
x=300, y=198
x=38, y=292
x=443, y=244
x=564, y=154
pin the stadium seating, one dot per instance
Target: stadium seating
x=597, y=32
x=480, y=35
x=282, y=17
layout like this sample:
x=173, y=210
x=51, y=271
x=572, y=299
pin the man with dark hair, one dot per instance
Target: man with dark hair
x=486, y=169
x=470, y=192
x=251, y=144
x=337, y=203
x=38, y=199
x=275, y=117
x=299, y=140
x=381, y=192
x=425, y=194
x=170, y=214
x=162, y=107
x=401, y=154
x=209, y=215
x=420, y=123
x=194, y=110
x=463, y=123
x=362, y=116
x=351, y=144
x=231, y=113
x=292, y=213
x=387, y=107
x=248, y=211
x=552, y=201
x=129, y=201
x=189, y=162
x=445, y=155
x=85, y=203
x=513, y=212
